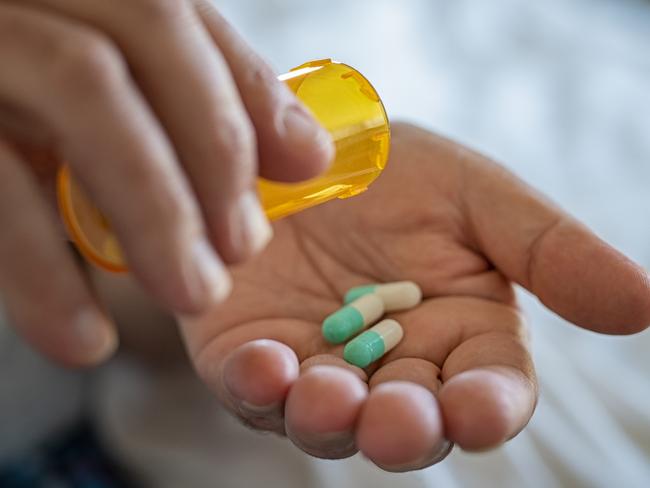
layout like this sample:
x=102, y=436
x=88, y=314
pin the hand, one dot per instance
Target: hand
x=464, y=229
x=161, y=111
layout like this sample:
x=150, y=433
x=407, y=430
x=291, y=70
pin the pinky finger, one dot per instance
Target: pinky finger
x=43, y=291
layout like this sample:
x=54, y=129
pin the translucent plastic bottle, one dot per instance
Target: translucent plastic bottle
x=340, y=98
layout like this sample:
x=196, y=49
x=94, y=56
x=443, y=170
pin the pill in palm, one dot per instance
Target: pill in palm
x=372, y=344
x=352, y=318
x=399, y=295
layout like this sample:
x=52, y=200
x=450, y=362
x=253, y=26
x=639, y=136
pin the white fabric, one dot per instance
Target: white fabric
x=559, y=91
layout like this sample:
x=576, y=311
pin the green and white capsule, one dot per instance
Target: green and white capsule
x=368, y=347
x=353, y=318
x=400, y=295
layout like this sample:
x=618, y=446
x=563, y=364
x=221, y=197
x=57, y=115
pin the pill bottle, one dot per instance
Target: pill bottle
x=338, y=96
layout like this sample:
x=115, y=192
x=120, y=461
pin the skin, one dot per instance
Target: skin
x=140, y=97
x=466, y=231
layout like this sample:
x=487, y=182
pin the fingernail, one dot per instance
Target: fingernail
x=425, y=461
x=248, y=407
x=214, y=277
x=266, y=418
x=331, y=445
x=304, y=131
x=442, y=452
x=256, y=231
x=95, y=334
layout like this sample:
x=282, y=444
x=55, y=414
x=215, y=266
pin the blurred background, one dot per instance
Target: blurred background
x=559, y=91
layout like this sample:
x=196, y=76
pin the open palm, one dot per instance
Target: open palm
x=465, y=230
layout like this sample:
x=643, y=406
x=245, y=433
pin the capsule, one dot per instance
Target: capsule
x=400, y=295
x=368, y=347
x=353, y=318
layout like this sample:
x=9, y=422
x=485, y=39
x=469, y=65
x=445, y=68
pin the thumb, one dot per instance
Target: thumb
x=564, y=264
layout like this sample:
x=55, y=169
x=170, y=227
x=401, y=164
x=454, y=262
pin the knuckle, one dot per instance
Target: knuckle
x=237, y=136
x=87, y=62
x=259, y=74
x=264, y=91
x=178, y=212
x=238, y=147
x=167, y=214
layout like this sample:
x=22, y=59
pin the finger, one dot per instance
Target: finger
x=259, y=313
x=489, y=388
x=400, y=427
x=411, y=440
x=539, y=246
x=411, y=369
x=194, y=96
x=116, y=149
x=319, y=434
x=291, y=144
x=255, y=381
x=485, y=406
x=42, y=290
x=334, y=358
x=249, y=367
x=42, y=161
x=322, y=409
